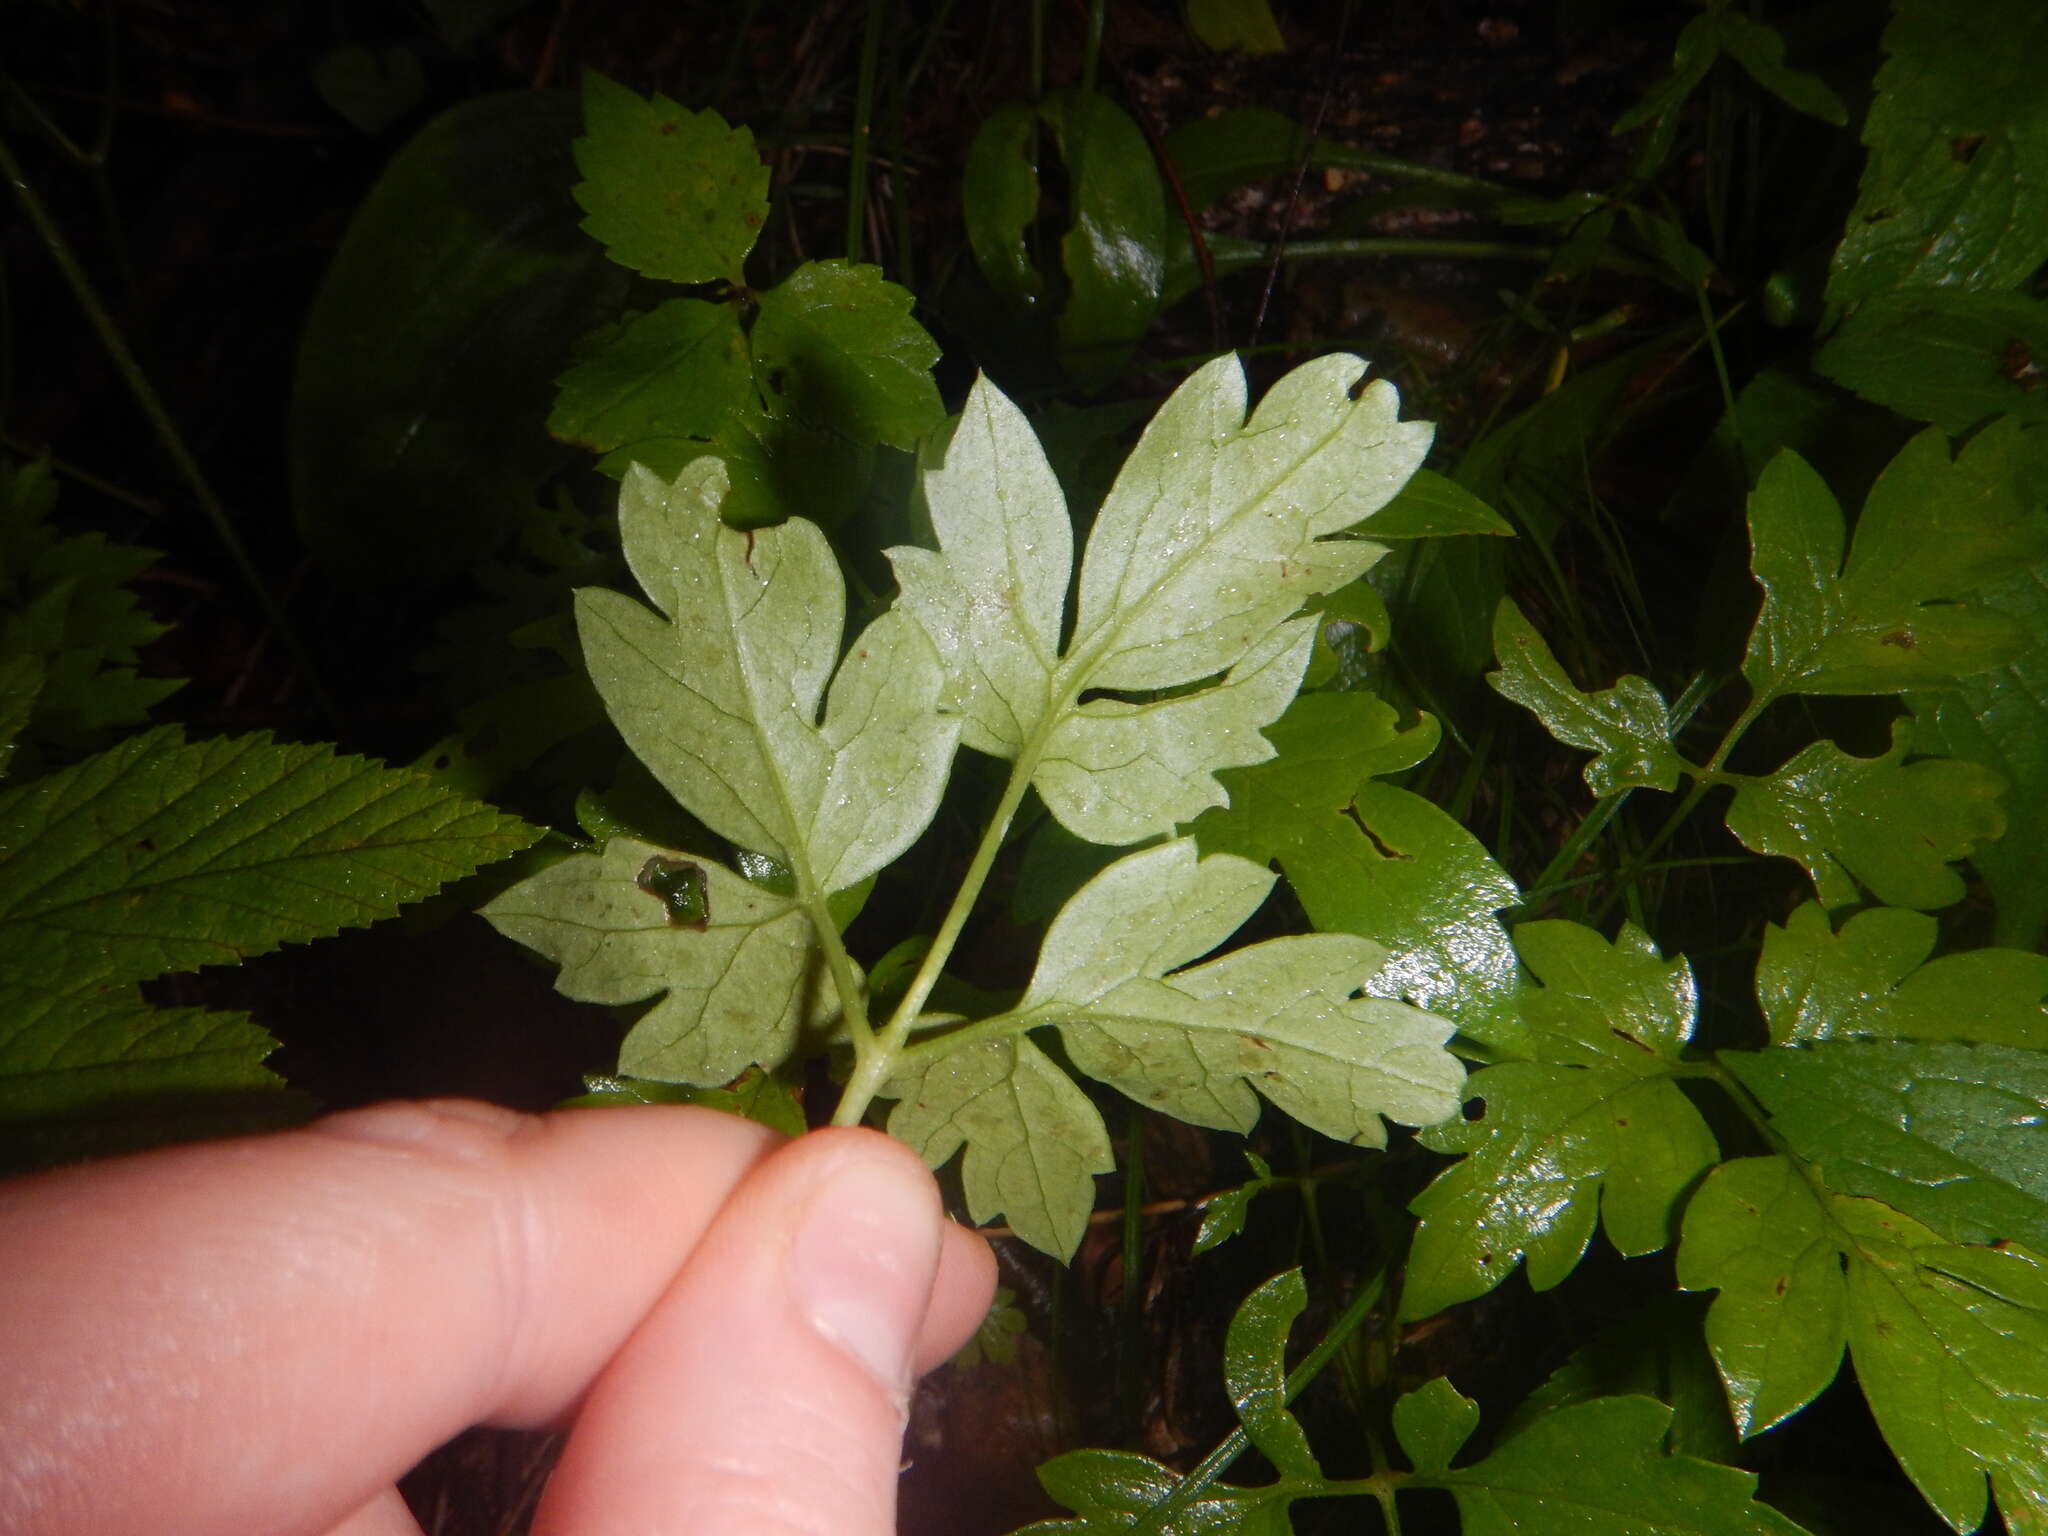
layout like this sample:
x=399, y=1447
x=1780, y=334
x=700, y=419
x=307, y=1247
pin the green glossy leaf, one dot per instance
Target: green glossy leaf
x=1115, y=1490
x=1892, y=825
x=1235, y=26
x=1874, y=978
x=1945, y=355
x=1599, y=1468
x=733, y=993
x=1932, y=531
x=1255, y=1373
x=1433, y=1423
x=1432, y=506
x=1034, y=1142
x=161, y=855
x=1951, y=1348
x=721, y=697
x=1277, y=1016
x=1759, y=1234
x=1210, y=540
x=430, y=352
x=2000, y=719
x=835, y=346
x=754, y=1095
x=1114, y=250
x=999, y=201
x=1956, y=1136
x=1223, y=1215
x=1377, y=861
x=673, y=371
x=1629, y=725
x=1955, y=191
x=1596, y=1117
x=672, y=193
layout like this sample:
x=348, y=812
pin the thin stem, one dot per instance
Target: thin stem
x=1091, y=56
x=168, y=436
x=863, y=124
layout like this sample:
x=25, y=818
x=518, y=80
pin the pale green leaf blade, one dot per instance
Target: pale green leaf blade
x=1956, y=1136
x=993, y=600
x=673, y=194
x=1951, y=1349
x=672, y=371
x=1034, y=1142
x=1955, y=191
x=1115, y=772
x=721, y=700
x=1433, y=1423
x=735, y=992
x=1628, y=725
x=1255, y=1373
x=1891, y=826
x=1869, y=979
x=1215, y=531
x=835, y=346
x=1598, y=1469
x=160, y=855
x=1757, y=1233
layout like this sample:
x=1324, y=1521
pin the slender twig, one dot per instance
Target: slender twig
x=863, y=124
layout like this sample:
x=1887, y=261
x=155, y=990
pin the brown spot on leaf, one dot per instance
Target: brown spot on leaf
x=1964, y=149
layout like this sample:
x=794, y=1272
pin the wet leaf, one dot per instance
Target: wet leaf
x=1114, y=250
x=754, y=1095
x=1874, y=978
x=999, y=200
x=1433, y=1423
x=1894, y=826
x=671, y=193
x=1223, y=1215
x=1115, y=1490
x=1596, y=1117
x=835, y=346
x=1255, y=1373
x=1956, y=1136
x=1629, y=725
x=1945, y=355
x=673, y=371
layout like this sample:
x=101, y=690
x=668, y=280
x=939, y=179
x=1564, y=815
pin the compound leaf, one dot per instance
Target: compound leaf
x=673, y=371
x=1597, y=1115
x=1279, y=1016
x=162, y=855
x=1932, y=531
x=671, y=193
x=1210, y=540
x=1034, y=1142
x=1628, y=725
x=719, y=695
x=1952, y=1135
x=1599, y=1468
x=835, y=346
x=1870, y=979
x=735, y=987
x=1891, y=825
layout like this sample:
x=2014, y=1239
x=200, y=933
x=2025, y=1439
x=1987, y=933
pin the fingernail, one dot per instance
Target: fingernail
x=863, y=1261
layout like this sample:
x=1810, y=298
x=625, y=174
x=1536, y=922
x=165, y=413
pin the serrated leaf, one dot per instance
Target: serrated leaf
x=1255, y=1373
x=1870, y=979
x=1758, y=1233
x=2000, y=719
x=1278, y=1016
x=1377, y=861
x=1944, y=355
x=1892, y=825
x=835, y=346
x=735, y=992
x=1932, y=531
x=160, y=855
x=720, y=698
x=1034, y=1142
x=1115, y=1490
x=1210, y=540
x=672, y=371
x=673, y=194
x=1956, y=1136
x=1599, y=1468
x=1628, y=725
x=1433, y=1423
x=1955, y=191
x=1597, y=1115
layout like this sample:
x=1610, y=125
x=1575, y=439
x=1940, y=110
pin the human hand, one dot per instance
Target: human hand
x=261, y=1335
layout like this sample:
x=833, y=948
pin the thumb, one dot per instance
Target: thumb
x=766, y=1391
